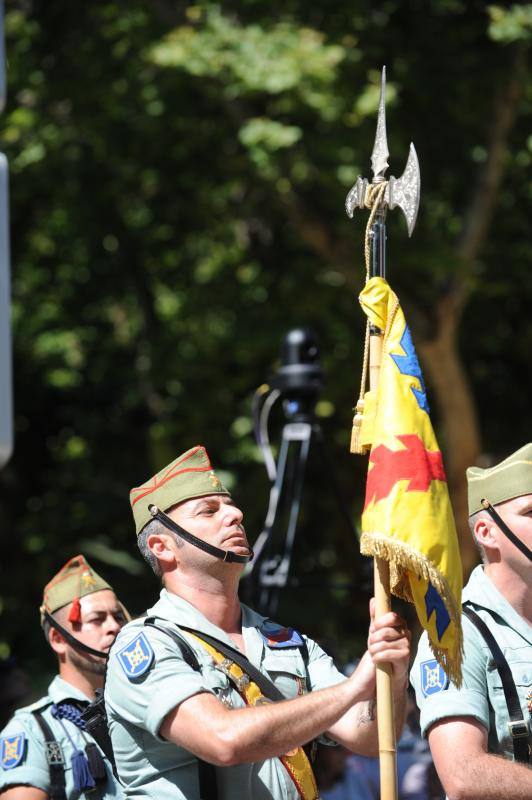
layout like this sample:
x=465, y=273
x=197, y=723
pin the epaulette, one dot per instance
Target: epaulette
x=39, y=704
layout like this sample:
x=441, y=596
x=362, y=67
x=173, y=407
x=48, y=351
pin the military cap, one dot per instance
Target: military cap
x=73, y=581
x=511, y=478
x=190, y=475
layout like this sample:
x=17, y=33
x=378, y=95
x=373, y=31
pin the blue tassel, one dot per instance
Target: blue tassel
x=81, y=772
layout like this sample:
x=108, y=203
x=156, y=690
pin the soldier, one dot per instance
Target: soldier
x=45, y=750
x=470, y=728
x=189, y=715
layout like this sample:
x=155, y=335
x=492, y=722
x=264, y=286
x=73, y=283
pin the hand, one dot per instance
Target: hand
x=389, y=641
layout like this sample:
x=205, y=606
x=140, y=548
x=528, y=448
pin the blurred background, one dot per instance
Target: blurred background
x=178, y=175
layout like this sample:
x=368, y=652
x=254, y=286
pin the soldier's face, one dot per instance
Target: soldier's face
x=101, y=619
x=215, y=519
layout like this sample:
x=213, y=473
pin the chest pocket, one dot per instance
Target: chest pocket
x=519, y=662
x=286, y=667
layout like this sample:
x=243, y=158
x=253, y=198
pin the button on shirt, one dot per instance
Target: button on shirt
x=22, y=743
x=481, y=695
x=150, y=766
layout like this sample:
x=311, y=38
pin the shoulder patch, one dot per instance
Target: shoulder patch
x=433, y=677
x=12, y=750
x=136, y=657
x=276, y=636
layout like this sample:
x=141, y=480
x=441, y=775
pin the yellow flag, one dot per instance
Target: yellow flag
x=407, y=518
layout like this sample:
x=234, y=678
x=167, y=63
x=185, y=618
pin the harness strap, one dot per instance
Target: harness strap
x=54, y=757
x=242, y=674
x=206, y=772
x=517, y=725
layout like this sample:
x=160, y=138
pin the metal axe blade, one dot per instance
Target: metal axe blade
x=404, y=191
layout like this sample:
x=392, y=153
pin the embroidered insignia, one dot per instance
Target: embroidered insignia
x=87, y=580
x=214, y=480
x=136, y=657
x=433, y=677
x=54, y=754
x=276, y=636
x=12, y=750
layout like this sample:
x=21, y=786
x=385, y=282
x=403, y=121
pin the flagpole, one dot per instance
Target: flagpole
x=379, y=195
x=381, y=567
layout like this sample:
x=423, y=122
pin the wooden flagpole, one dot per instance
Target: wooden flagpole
x=385, y=705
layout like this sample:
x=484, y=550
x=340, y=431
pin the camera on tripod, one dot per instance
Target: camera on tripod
x=299, y=379
x=298, y=382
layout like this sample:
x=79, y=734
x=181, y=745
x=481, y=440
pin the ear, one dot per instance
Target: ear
x=57, y=643
x=163, y=549
x=485, y=532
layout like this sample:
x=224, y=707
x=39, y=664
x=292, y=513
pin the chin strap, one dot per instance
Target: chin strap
x=225, y=555
x=506, y=530
x=72, y=639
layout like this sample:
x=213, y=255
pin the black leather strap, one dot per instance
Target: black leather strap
x=206, y=772
x=72, y=639
x=54, y=758
x=225, y=555
x=517, y=724
x=267, y=687
x=506, y=530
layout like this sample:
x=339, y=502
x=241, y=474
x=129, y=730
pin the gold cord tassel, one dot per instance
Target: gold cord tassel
x=356, y=444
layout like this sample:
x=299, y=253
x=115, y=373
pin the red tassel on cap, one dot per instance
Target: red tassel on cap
x=75, y=611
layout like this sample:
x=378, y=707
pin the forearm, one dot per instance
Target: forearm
x=226, y=737
x=490, y=777
x=358, y=731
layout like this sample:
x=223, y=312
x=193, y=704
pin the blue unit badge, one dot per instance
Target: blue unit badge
x=276, y=636
x=136, y=657
x=433, y=677
x=12, y=750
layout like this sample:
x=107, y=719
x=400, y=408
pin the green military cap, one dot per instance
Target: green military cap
x=188, y=476
x=511, y=478
x=73, y=581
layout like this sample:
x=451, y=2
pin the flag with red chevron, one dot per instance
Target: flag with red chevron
x=407, y=517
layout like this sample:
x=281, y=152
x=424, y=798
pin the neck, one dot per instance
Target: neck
x=85, y=683
x=513, y=587
x=216, y=599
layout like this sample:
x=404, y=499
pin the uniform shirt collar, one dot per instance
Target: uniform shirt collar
x=172, y=607
x=481, y=591
x=60, y=690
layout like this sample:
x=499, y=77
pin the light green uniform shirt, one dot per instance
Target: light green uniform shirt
x=481, y=695
x=23, y=737
x=150, y=766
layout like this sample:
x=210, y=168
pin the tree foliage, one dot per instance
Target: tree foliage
x=178, y=174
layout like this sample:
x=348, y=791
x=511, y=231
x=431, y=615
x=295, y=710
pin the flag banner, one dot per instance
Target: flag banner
x=407, y=518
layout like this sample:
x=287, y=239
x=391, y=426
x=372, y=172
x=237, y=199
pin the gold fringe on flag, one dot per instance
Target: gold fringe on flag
x=404, y=559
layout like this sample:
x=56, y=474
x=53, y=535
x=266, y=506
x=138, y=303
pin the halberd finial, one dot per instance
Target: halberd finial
x=404, y=191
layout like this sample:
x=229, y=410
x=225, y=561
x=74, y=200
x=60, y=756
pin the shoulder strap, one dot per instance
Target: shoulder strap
x=517, y=725
x=266, y=686
x=54, y=757
x=207, y=772
x=186, y=650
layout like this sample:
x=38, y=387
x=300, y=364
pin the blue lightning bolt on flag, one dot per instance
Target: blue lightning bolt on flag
x=409, y=365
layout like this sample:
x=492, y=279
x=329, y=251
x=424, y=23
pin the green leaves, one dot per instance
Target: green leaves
x=511, y=24
x=278, y=58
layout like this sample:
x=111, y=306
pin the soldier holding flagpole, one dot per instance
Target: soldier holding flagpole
x=190, y=687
